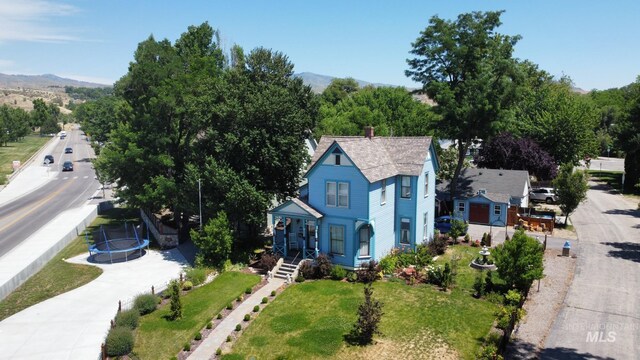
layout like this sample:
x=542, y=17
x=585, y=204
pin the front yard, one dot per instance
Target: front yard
x=309, y=320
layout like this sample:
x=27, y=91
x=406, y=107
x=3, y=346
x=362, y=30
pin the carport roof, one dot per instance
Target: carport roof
x=499, y=184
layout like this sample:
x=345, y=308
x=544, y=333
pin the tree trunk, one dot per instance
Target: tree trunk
x=462, y=151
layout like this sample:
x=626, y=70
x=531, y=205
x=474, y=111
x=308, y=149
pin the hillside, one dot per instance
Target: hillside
x=320, y=82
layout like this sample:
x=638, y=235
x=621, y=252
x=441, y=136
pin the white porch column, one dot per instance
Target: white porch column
x=285, y=236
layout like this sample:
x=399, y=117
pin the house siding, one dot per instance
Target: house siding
x=383, y=217
x=406, y=209
x=358, y=191
x=499, y=220
x=426, y=203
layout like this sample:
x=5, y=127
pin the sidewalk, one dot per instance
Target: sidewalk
x=219, y=335
x=74, y=324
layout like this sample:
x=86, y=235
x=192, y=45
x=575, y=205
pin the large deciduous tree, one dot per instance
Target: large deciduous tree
x=506, y=152
x=519, y=261
x=628, y=139
x=467, y=68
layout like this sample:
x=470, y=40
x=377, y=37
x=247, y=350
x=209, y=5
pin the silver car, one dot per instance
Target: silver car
x=545, y=194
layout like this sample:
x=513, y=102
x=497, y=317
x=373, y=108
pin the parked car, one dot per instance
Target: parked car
x=48, y=159
x=545, y=194
x=68, y=150
x=443, y=224
x=67, y=166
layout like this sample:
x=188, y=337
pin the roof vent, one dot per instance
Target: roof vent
x=482, y=191
x=500, y=173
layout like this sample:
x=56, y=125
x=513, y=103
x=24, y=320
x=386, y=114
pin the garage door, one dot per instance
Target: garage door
x=479, y=213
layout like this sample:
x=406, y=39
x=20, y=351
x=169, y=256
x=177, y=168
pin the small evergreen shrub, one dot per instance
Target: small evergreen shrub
x=176, y=303
x=146, y=303
x=248, y=291
x=247, y=317
x=467, y=238
x=256, y=308
x=239, y=298
x=266, y=300
x=209, y=325
x=479, y=285
x=488, y=282
x=219, y=352
x=229, y=338
x=187, y=285
x=187, y=347
x=273, y=293
x=338, y=272
x=128, y=318
x=197, y=276
x=219, y=316
x=238, y=327
x=198, y=336
x=352, y=276
x=323, y=266
x=229, y=307
x=299, y=278
x=119, y=341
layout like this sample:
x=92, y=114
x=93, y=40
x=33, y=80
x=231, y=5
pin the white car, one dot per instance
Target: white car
x=545, y=194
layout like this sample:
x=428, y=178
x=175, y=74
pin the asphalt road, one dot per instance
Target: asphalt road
x=600, y=318
x=25, y=215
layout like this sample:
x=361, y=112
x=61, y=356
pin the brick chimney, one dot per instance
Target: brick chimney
x=368, y=132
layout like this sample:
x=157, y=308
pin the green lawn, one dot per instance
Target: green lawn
x=309, y=320
x=159, y=338
x=22, y=151
x=59, y=276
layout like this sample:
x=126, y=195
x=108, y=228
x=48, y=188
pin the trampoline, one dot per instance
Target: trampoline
x=116, y=243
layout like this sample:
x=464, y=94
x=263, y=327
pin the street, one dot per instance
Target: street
x=63, y=190
x=600, y=317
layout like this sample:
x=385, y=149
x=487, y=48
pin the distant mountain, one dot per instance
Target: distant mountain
x=47, y=82
x=320, y=82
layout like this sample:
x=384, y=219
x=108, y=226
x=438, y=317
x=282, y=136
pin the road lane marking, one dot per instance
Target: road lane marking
x=36, y=206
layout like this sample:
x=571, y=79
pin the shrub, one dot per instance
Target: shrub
x=145, y=303
x=119, y=341
x=368, y=272
x=458, y=228
x=238, y=327
x=488, y=282
x=176, y=302
x=219, y=352
x=209, y=325
x=256, y=308
x=247, y=317
x=467, y=238
x=128, y=318
x=483, y=242
x=307, y=270
x=424, y=256
x=479, y=285
x=405, y=259
x=198, y=336
x=187, y=285
x=268, y=261
x=323, y=266
x=229, y=307
x=229, y=338
x=214, y=241
x=266, y=300
x=299, y=278
x=187, y=347
x=389, y=264
x=248, y=290
x=512, y=298
x=519, y=261
x=338, y=272
x=239, y=298
x=369, y=316
x=352, y=276
x=489, y=352
x=273, y=293
x=438, y=245
x=475, y=243
x=197, y=276
x=494, y=297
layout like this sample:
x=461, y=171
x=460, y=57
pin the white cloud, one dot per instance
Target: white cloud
x=34, y=20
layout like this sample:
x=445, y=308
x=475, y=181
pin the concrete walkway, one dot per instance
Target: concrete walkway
x=74, y=324
x=219, y=335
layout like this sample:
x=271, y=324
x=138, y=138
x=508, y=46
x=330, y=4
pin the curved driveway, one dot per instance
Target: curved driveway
x=600, y=318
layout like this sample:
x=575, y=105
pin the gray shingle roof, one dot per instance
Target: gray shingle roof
x=494, y=181
x=380, y=157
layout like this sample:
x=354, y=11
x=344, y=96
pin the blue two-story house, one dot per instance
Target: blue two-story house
x=364, y=197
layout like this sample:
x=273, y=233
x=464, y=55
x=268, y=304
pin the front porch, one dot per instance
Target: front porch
x=296, y=230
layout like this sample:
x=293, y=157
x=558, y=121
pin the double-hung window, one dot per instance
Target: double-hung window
x=337, y=194
x=497, y=210
x=336, y=232
x=405, y=187
x=365, y=249
x=405, y=231
x=426, y=184
x=461, y=206
x=424, y=227
x=383, y=192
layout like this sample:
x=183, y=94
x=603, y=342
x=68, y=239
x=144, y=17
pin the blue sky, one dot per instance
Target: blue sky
x=593, y=42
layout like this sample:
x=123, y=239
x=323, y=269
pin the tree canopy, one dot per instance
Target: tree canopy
x=571, y=187
x=467, y=68
x=627, y=132
x=519, y=261
x=238, y=125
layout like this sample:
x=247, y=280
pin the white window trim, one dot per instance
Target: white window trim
x=408, y=231
x=426, y=184
x=338, y=194
x=335, y=194
x=383, y=192
x=424, y=226
x=497, y=207
x=368, y=242
x=402, y=187
x=461, y=205
x=344, y=235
